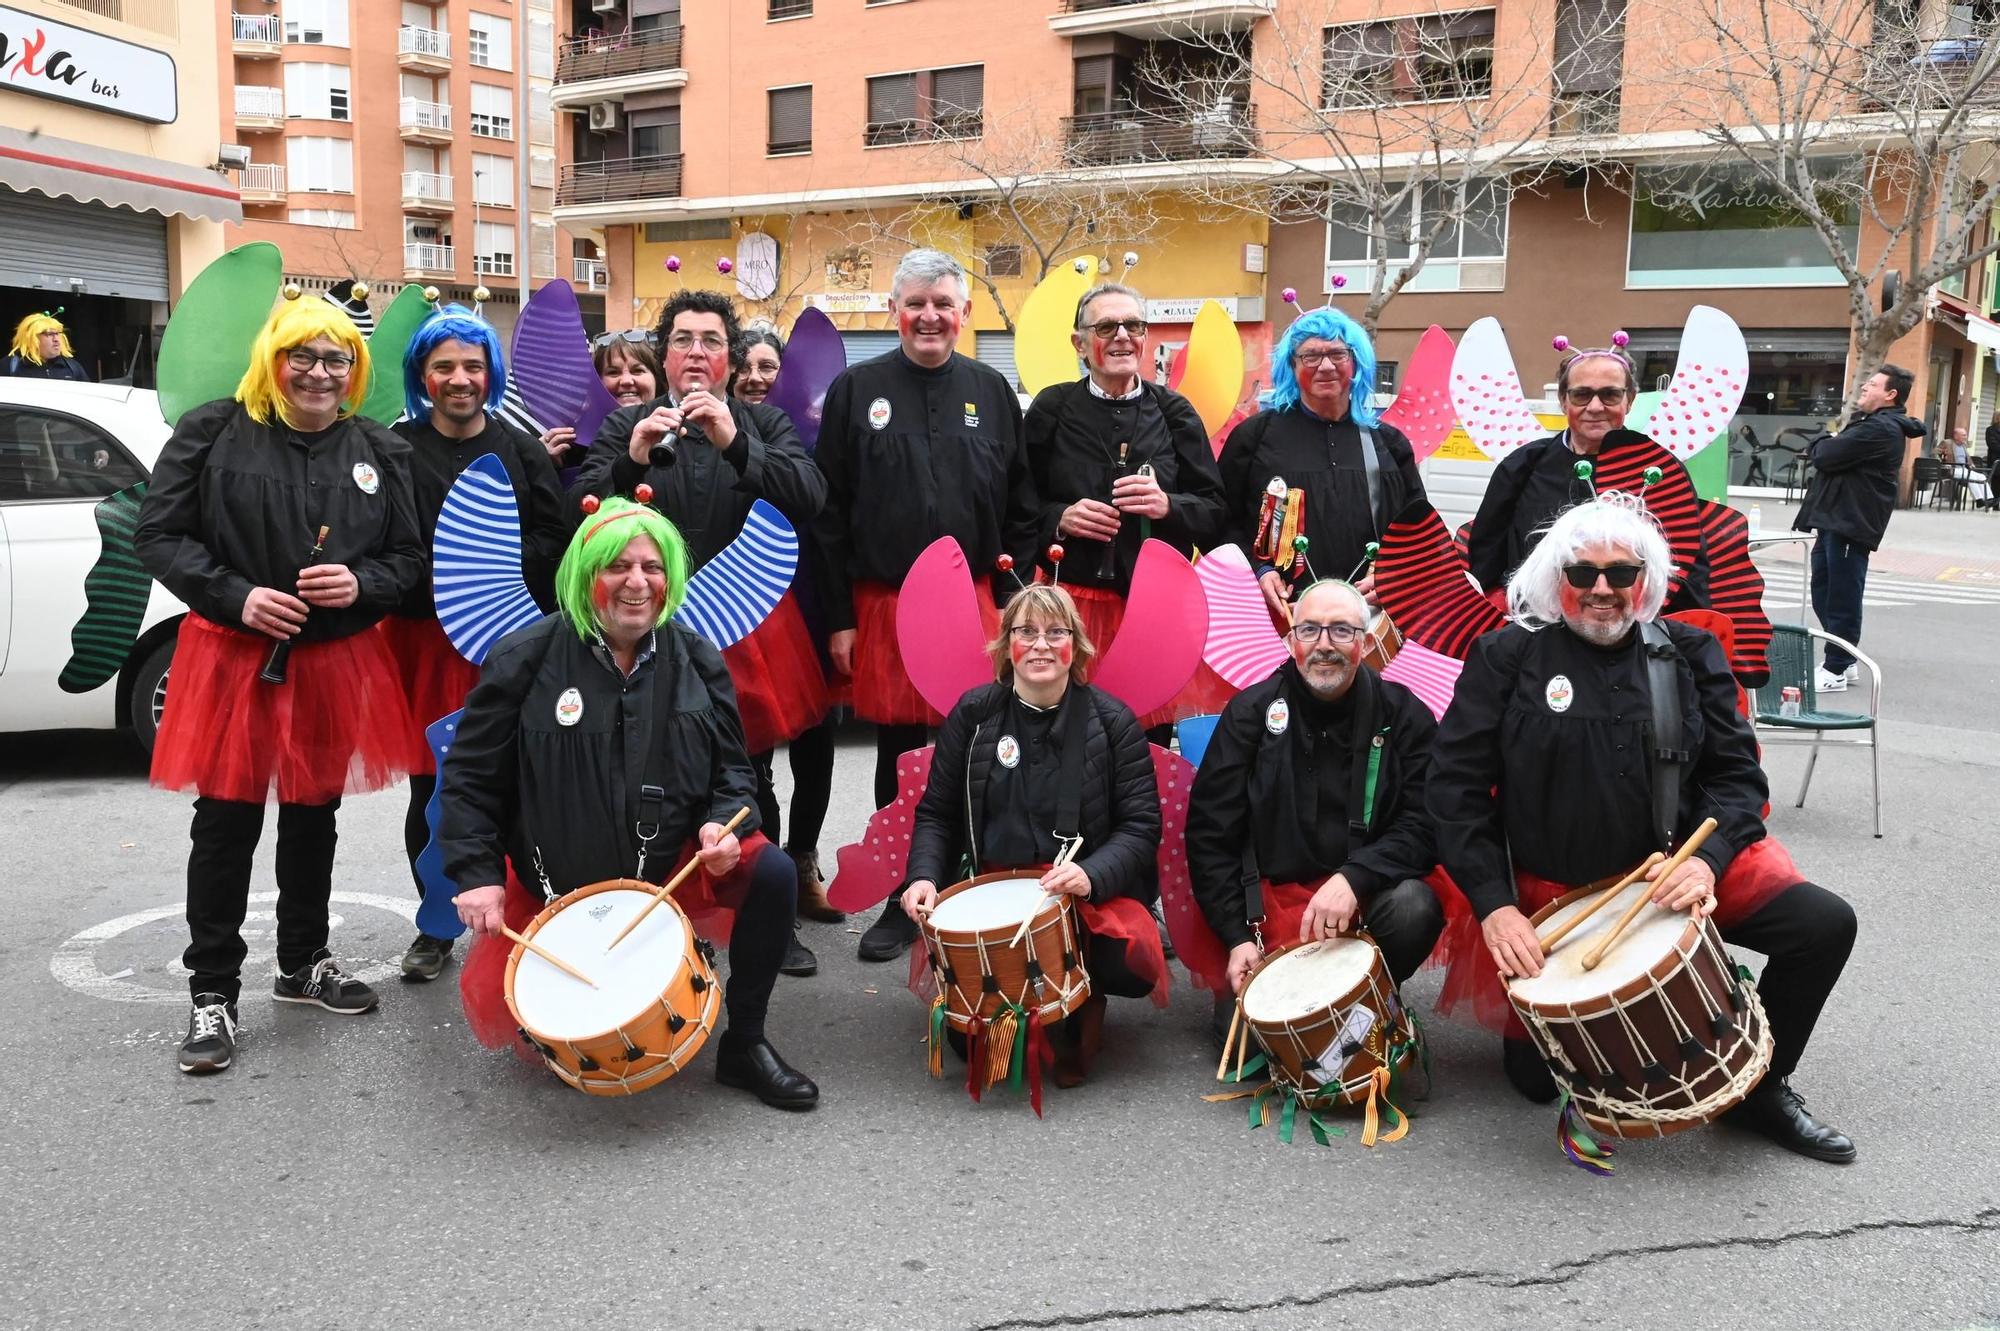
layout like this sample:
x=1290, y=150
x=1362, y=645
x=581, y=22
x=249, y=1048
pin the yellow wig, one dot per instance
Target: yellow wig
x=293, y=324
x=28, y=333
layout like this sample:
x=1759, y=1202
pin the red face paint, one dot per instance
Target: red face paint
x=1572, y=599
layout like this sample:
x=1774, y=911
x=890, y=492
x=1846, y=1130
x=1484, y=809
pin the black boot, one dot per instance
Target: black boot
x=753, y=1066
x=1777, y=1111
x=1528, y=1071
x=892, y=932
x=799, y=959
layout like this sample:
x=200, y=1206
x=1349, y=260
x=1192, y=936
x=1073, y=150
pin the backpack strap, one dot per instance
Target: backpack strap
x=1668, y=760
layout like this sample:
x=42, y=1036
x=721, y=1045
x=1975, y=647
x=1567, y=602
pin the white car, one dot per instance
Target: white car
x=64, y=449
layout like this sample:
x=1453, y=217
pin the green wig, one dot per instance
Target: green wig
x=598, y=543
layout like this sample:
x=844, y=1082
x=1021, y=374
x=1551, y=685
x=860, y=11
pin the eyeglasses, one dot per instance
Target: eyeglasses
x=710, y=342
x=1580, y=396
x=637, y=336
x=1338, y=634
x=1324, y=356
x=1110, y=328
x=1584, y=576
x=1026, y=635
x=302, y=359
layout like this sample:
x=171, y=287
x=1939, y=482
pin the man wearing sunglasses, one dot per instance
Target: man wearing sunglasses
x=1546, y=777
x=1117, y=459
x=1307, y=814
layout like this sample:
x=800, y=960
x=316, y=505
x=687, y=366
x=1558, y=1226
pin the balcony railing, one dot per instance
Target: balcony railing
x=420, y=258
x=262, y=180
x=590, y=274
x=256, y=30
x=423, y=42
x=418, y=115
x=621, y=178
x=1118, y=138
x=1928, y=75
x=260, y=103
x=609, y=55
x=426, y=187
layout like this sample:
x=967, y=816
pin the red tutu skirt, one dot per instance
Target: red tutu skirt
x=1121, y=918
x=1284, y=909
x=1103, y=612
x=780, y=684
x=436, y=679
x=337, y=726
x=710, y=904
x=882, y=691
x=1472, y=981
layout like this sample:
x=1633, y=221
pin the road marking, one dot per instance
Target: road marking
x=1883, y=591
x=75, y=960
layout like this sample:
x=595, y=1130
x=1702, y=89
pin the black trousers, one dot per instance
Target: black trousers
x=225, y=835
x=810, y=757
x=765, y=910
x=1405, y=921
x=891, y=743
x=416, y=827
x=1807, y=932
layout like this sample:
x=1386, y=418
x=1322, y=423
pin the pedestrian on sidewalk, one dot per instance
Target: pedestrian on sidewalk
x=1848, y=503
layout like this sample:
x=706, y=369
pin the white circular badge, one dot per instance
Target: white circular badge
x=1008, y=751
x=1277, y=716
x=1559, y=694
x=569, y=708
x=878, y=414
x=365, y=477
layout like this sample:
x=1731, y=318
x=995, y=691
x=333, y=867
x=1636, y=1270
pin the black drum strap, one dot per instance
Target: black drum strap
x=1669, y=760
x=1069, y=780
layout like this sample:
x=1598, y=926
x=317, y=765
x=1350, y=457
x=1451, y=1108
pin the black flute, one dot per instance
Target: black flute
x=281, y=650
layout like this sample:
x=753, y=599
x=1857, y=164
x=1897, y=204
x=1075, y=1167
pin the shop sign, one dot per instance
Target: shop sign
x=44, y=58
x=849, y=302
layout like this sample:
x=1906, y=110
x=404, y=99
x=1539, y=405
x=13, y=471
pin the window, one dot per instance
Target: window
x=791, y=123
x=789, y=9
x=1003, y=260
x=489, y=41
x=316, y=92
x=340, y=219
x=1469, y=253
x=493, y=249
x=492, y=180
x=541, y=48
x=1727, y=226
x=492, y=111
x=320, y=165
x=1426, y=57
x=44, y=456
x=656, y=133
x=930, y=104
x=707, y=228
x=316, y=22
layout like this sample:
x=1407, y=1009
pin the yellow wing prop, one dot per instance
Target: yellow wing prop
x=1043, y=354
x=1213, y=379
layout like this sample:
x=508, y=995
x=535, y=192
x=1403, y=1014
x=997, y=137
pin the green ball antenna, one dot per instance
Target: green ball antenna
x=1584, y=471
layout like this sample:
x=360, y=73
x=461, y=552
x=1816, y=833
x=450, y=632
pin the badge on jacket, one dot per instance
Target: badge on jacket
x=1559, y=694
x=878, y=414
x=1277, y=716
x=366, y=478
x=972, y=414
x=1008, y=751
x=569, y=707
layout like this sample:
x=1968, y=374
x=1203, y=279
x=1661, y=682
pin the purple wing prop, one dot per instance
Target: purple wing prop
x=813, y=357
x=551, y=364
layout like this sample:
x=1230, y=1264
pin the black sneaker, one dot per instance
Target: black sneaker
x=426, y=958
x=799, y=959
x=211, y=1037
x=324, y=983
x=890, y=935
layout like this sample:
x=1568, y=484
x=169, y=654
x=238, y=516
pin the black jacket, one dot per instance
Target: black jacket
x=1073, y=441
x=1855, y=476
x=707, y=493
x=235, y=505
x=1993, y=445
x=1120, y=808
x=1561, y=778
x=1322, y=458
x=520, y=782
x=912, y=454
x=1276, y=806
x=435, y=462
x=62, y=367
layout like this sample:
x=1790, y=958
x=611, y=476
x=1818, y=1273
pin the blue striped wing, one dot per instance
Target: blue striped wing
x=476, y=561
x=734, y=591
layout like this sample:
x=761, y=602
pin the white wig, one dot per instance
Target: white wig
x=1534, y=593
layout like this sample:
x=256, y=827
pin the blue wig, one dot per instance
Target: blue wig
x=451, y=323
x=1328, y=325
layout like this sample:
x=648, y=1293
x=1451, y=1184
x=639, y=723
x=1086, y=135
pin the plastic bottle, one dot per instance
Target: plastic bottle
x=1756, y=519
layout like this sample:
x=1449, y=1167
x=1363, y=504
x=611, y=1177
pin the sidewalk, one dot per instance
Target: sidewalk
x=1932, y=545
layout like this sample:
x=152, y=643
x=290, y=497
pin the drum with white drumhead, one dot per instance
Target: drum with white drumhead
x=979, y=967
x=1327, y=1014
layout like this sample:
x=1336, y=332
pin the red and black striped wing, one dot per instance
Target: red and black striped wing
x=1672, y=501
x=1422, y=582
x=1736, y=589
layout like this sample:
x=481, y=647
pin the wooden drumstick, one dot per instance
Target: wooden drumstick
x=549, y=957
x=1229, y=1042
x=674, y=882
x=1063, y=856
x=1564, y=929
x=1680, y=857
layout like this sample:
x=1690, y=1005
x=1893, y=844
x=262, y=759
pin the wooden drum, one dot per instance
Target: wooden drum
x=970, y=938
x=1327, y=1014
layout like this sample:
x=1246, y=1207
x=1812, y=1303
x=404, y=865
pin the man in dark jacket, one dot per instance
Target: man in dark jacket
x=1316, y=776
x=1848, y=502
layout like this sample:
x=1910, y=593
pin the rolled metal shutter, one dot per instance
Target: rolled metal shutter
x=867, y=346
x=997, y=349
x=52, y=244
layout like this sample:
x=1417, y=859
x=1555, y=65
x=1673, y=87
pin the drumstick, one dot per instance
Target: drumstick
x=1680, y=857
x=674, y=882
x=1563, y=930
x=1063, y=856
x=549, y=957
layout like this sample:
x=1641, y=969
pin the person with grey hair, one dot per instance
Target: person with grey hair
x=1117, y=459
x=1547, y=776
x=916, y=444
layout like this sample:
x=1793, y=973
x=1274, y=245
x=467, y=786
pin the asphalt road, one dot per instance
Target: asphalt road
x=362, y=1171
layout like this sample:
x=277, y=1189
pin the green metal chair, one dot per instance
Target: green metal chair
x=1793, y=656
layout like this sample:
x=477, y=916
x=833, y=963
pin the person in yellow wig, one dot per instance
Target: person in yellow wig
x=41, y=351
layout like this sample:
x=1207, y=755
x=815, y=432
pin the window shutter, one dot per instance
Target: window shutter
x=1590, y=45
x=791, y=119
x=892, y=99
x=958, y=93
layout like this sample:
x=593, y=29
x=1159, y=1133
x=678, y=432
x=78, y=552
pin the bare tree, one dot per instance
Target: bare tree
x=1873, y=122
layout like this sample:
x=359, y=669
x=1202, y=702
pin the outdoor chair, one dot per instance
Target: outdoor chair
x=1793, y=654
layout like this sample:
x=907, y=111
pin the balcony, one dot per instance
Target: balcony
x=257, y=36
x=424, y=49
x=607, y=66
x=262, y=182
x=1153, y=20
x=425, y=122
x=260, y=108
x=618, y=179
x=426, y=192
x=590, y=275
x=1928, y=75
x=1122, y=138
x=421, y=260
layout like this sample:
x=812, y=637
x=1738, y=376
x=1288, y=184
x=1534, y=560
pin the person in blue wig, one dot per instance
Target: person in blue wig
x=453, y=379
x=1316, y=461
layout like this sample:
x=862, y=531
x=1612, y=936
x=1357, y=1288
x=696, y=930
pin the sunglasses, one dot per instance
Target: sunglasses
x=1580, y=396
x=1106, y=329
x=633, y=335
x=1584, y=576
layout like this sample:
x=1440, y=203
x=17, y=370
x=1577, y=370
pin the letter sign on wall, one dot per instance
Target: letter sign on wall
x=48, y=59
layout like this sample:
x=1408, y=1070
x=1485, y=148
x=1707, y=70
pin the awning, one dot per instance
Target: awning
x=1982, y=332
x=62, y=168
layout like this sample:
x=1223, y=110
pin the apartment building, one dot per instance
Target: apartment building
x=399, y=142
x=112, y=188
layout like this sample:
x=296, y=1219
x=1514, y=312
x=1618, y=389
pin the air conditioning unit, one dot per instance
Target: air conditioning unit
x=604, y=116
x=606, y=6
